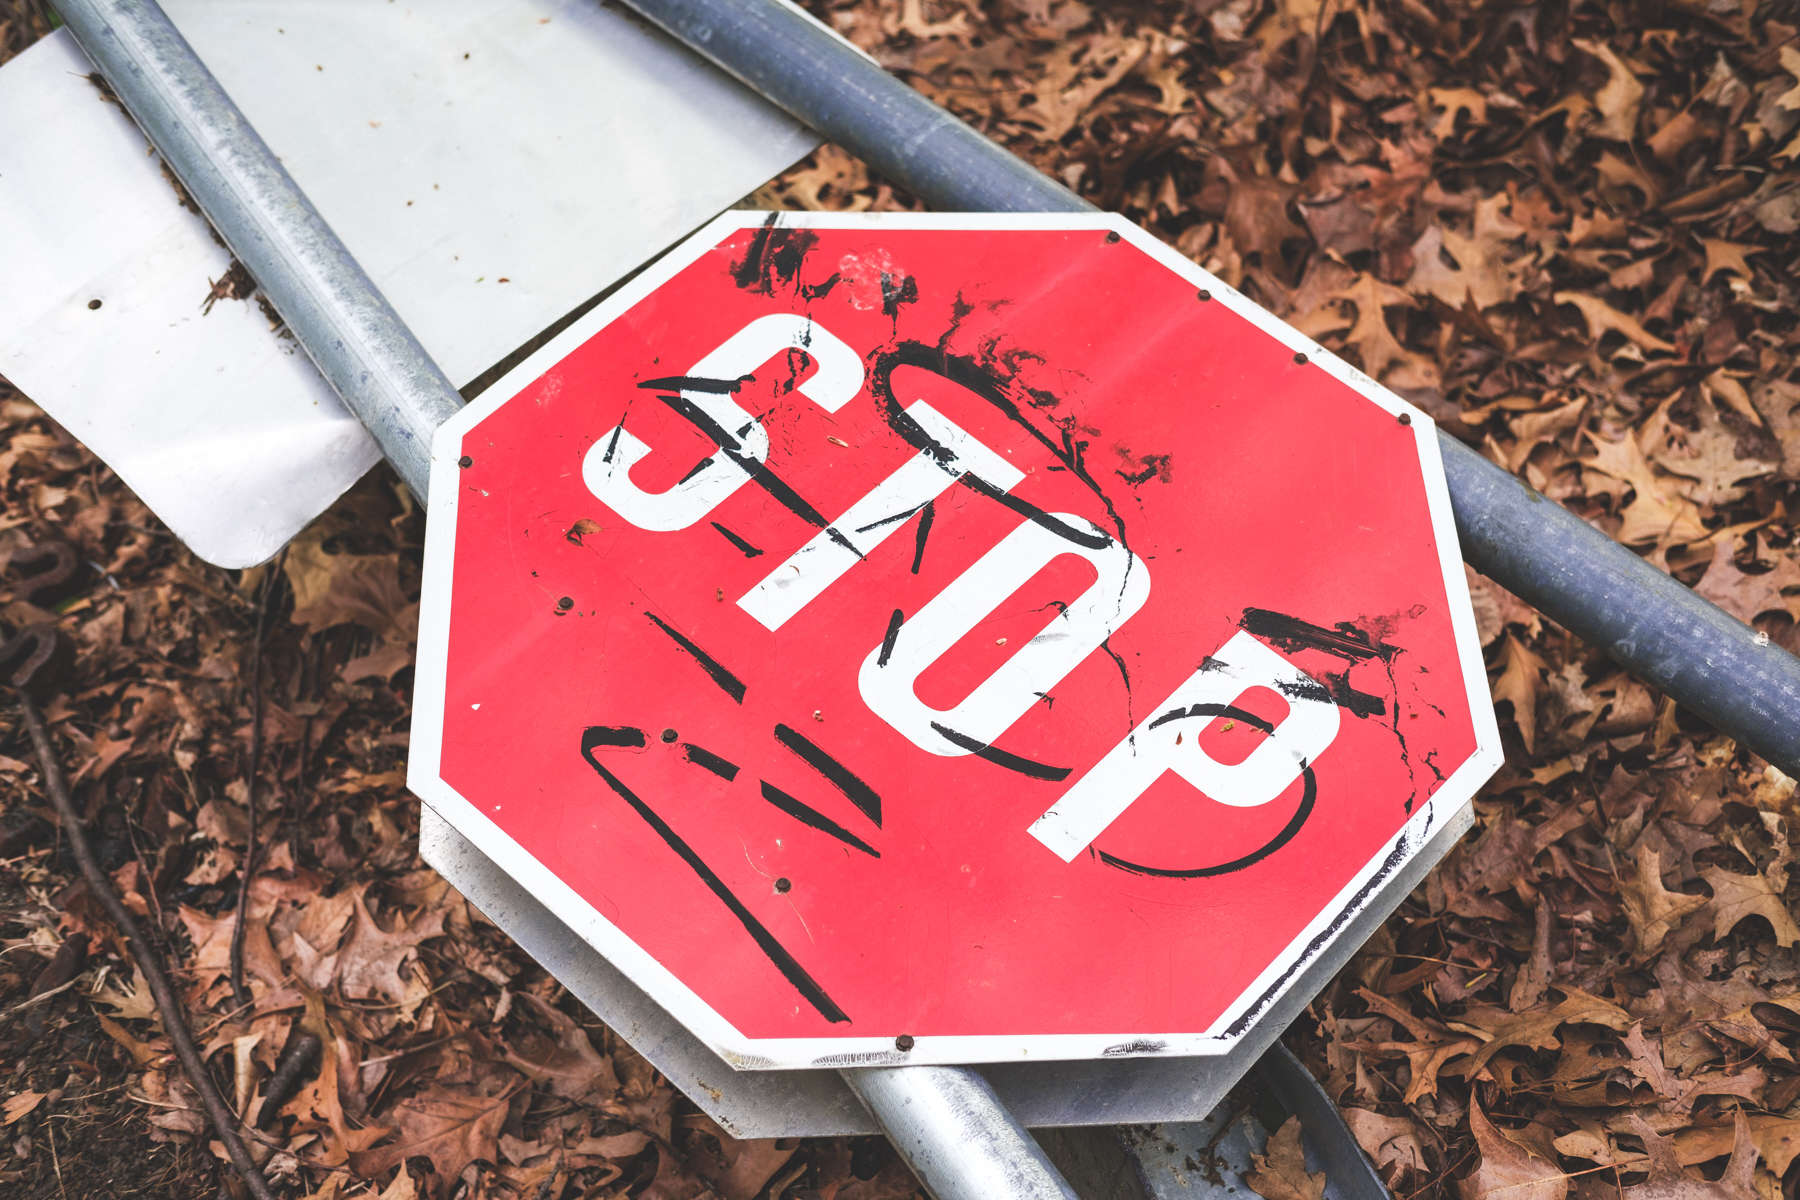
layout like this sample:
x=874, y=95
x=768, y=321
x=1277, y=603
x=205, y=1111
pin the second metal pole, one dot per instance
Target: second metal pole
x=953, y=1131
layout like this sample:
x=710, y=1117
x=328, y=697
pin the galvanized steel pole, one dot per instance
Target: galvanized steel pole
x=360, y=345
x=1708, y=660
x=956, y=1135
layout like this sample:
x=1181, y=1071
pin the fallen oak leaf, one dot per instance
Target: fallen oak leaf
x=1669, y=1182
x=1727, y=256
x=1745, y=596
x=571, y=1065
x=1537, y=1030
x=1618, y=101
x=369, y=962
x=1738, y=896
x=1652, y=909
x=1281, y=1174
x=1521, y=683
x=1386, y=1139
x=1507, y=1170
x=1602, y=317
x=1776, y=1138
x=452, y=1126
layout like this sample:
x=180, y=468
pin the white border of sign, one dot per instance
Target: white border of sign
x=1370, y=887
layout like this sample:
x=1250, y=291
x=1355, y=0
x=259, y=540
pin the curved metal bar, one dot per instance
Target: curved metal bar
x=1716, y=666
x=958, y=1138
x=359, y=343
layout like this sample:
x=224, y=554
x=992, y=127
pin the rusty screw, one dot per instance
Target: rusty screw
x=465, y=462
x=904, y=1042
x=783, y=886
x=1406, y=418
x=669, y=735
x=565, y=604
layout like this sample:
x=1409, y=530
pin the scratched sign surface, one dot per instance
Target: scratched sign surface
x=945, y=639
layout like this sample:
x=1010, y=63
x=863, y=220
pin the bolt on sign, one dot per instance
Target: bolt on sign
x=946, y=639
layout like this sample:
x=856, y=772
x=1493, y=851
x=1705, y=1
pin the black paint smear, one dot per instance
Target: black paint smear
x=732, y=685
x=695, y=383
x=758, y=471
x=831, y=531
x=775, y=257
x=818, y=291
x=1292, y=634
x=807, y=815
x=612, y=735
x=836, y=773
x=749, y=550
x=892, y=296
x=698, y=467
x=1237, y=864
x=927, y=515
x=1344, y=915
x=893, y=520
x=1335, y=689
x=613, y=445
x=1001, y=758
x=778, y=954
x=702, y=757
x=892, y=636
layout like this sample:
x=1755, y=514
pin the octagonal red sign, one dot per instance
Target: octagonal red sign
x=942, y=639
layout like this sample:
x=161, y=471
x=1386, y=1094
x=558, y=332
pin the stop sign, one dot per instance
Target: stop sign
x=945, y=639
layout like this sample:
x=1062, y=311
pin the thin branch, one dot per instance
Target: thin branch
x=174, y=1019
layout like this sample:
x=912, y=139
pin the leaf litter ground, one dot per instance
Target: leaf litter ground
x=1563, y=230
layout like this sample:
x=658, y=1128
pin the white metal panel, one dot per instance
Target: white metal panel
x=571, y=145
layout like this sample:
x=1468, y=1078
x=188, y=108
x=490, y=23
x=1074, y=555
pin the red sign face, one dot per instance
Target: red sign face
x=946, y=639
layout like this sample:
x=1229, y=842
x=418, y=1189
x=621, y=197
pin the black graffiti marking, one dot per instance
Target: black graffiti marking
x=965, y=371
x=831, y=532
x=749, y=550
x=778, y=954
x=612, y=445
x=732, y=685
x=700, y=756
x=893, y=520
x=775, y=257
x=927, y=515
x=697, y=383
x=1292, y=634
x=1002, y=758
x=1336, y=689
x=836, y=773
x=697, y=468
x=1230, y=712
x=758, y=471
x=1275, y=843
x=1234, y=713
x=892, y=636
x=612, y=735
x=808, y=815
